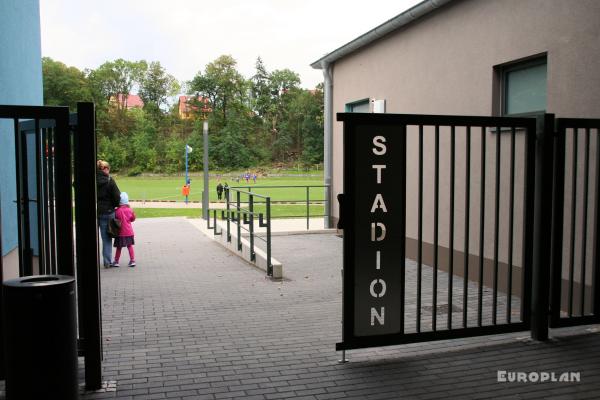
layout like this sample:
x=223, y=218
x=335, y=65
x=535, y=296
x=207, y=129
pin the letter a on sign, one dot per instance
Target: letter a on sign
x=378, y=203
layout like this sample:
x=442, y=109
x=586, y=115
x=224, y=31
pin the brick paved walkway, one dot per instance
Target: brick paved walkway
x=193, y=321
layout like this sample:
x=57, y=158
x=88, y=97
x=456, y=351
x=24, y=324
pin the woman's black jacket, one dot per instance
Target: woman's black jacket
x=108, y=193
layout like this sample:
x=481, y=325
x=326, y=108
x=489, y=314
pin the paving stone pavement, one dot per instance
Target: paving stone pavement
x=193, y=321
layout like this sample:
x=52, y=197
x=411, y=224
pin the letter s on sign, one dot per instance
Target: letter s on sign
x=380, y=148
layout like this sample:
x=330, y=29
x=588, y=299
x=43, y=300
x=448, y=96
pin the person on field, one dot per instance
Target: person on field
x=219, y=191
x=126, y=215
x=108, y=198
x=226, y=190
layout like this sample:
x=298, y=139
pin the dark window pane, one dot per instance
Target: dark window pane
x=525, y=89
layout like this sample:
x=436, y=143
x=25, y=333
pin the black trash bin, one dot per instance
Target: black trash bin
x=40, y=337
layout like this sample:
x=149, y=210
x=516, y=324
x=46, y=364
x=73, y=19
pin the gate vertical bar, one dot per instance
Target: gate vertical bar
x=496, y=226
x=511, y=212
x=528, y=220
x=39, y=197
x=573, y=219
x=25, y=217
x=420, y=238
x=402, y=228
x=586, y=169
x=596, y=248
x=436, y=189
x=542, y=226
x=18, y=172
x=557, y=223
x=467, y=211
x=451, y=227
x=45, y=200
x=87, y=243
x=481, y=227
x=64, y=201
x=52, y=199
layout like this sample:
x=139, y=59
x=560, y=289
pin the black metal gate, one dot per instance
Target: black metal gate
x=55, y=157
x=575, y=294
x=392, y=195
x=449, y=221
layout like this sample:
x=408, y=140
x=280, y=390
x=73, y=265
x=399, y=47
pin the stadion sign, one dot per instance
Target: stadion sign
x=372, y=214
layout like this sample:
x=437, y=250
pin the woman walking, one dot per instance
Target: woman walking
x=126, y=236
x=108, y=198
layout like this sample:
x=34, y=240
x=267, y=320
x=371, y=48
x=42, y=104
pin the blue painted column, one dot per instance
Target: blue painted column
x=20, y=84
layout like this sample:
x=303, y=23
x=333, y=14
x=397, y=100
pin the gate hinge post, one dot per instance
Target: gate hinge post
x=542, y=231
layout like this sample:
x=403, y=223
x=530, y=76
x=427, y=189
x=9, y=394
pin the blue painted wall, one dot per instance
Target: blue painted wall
x=20, y=83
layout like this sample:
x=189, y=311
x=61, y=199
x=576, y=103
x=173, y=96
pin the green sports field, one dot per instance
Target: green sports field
x=169, y=188
x=286, y=202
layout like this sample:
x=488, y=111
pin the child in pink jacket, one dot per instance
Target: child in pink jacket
x=126, y=236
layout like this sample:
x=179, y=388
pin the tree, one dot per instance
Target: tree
x=261, y=92
x=223, y=86
x=64, y=86
x=156, y=86
x=115, y=78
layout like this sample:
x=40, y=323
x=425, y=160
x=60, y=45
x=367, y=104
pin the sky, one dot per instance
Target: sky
x=185, y=35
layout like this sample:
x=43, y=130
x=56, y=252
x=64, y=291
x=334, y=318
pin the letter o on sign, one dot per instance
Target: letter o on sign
x=372, y=288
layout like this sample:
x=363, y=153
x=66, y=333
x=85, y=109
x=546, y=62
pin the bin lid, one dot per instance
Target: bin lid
x=39, y=280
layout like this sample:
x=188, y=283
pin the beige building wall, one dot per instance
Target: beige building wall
x=444, y=63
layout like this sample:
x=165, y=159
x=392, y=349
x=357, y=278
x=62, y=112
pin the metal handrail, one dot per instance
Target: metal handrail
x=305, y=200
x=245, y=216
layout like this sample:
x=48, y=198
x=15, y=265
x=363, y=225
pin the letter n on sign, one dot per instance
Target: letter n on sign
x=373, y=216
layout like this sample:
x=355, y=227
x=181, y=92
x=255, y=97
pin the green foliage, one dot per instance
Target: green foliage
x=156, y=86
x=258, y=121
x=64, y=86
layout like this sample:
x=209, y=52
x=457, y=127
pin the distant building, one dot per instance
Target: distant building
x=128, y=102
x=187, y=108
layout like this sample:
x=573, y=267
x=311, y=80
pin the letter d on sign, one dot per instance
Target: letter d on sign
x=374, y=226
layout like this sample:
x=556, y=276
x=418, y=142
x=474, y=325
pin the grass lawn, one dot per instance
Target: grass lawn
x=169, y=188
x=277, y=211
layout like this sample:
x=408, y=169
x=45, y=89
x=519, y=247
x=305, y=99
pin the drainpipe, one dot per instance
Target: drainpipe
x=328, y=140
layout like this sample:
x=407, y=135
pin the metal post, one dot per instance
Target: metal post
x=205, y=163
x=228, y=215
x=239, y=228
x=269, y=265
x=251, y=208
x=328, y=140
x=87, y=249
x=307, y=209
x=542, y=227
x=186, y=171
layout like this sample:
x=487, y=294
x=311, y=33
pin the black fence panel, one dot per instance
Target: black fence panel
x=575, y=293
x=438, y=220
x=55, y=157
